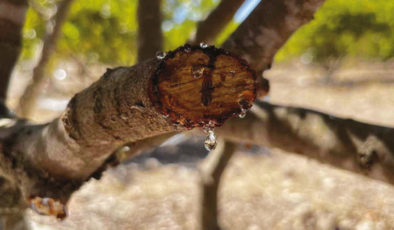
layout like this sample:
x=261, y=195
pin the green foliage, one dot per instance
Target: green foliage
x=106, y=30
x=357, y=28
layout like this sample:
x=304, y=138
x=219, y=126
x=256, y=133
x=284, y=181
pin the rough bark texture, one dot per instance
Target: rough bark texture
x=12, y=17
x=28, y=99
x=150, y=38
x=362, y=148
x=211, y=173
x=127, y=104
x=267, y=28
x=216, y=21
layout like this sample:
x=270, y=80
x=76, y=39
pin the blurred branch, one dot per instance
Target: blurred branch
x=150, y=37
x=12, y=18
x=29, y=97
x=343, y=143
x=216, y=21
x=211, y=173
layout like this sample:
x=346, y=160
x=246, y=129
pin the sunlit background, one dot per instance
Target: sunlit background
x=339, y=63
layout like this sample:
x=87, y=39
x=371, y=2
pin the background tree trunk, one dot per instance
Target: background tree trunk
x=150, y=37
x=216, y=21
x=12, y=18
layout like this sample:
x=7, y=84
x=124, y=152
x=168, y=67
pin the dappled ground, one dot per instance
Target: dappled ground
x=266, y=189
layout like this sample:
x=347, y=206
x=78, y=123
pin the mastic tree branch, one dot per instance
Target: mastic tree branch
x=29, y=97
x=127, y=104
x=12, y=18
x=209, y=29
x=344, y=143
x=267, y=28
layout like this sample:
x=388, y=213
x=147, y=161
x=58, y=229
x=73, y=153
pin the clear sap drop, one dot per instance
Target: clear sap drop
x=197, y=71
x=203, y=45
x=160, y=55
x=210, y=142
x=166, y=115
x=245, y=105
x=187, y=48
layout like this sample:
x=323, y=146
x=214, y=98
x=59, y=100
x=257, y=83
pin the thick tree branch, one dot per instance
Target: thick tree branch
x=359, y=147
x=267, y=28
x=127, y=104
x=12, y=18
x=216, y=21
x=150, y=37
x=28, y=99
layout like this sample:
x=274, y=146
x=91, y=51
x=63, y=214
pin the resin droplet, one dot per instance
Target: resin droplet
x=160, y=55
x=232, y=72
x=187, y=48
x=203, y=45
x=210, y=142
x=245, y=105
x=165, y=115
x=197, y=71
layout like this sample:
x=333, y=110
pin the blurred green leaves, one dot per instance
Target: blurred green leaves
x=106, y=30
x=357, y=28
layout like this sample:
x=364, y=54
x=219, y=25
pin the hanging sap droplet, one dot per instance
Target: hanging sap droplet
x=166, y=115
x=208, y=129
x=245, y=105
x=197, y=71
x=160, y=55
x=210, y=142
x=203, y=45
x=187, y=48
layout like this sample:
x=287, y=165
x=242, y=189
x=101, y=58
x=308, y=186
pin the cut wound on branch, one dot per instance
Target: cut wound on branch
x=200, y=87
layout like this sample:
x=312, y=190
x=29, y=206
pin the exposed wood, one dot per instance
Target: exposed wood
x=12, y=17
x=150, y=37
x=344, y=143
x=127, y=104
x=29, y=97
x=216, y=21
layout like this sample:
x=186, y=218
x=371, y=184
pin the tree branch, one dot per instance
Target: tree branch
x=344, y=143
x=150, y=37
x=267, y=28
x=28, y=99
x=12, y=18
x=211, y=173
x=127, y=104
x=216, y=21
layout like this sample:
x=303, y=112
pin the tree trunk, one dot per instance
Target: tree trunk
x=150, y=38
x=12, y=18
x=216, y=21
